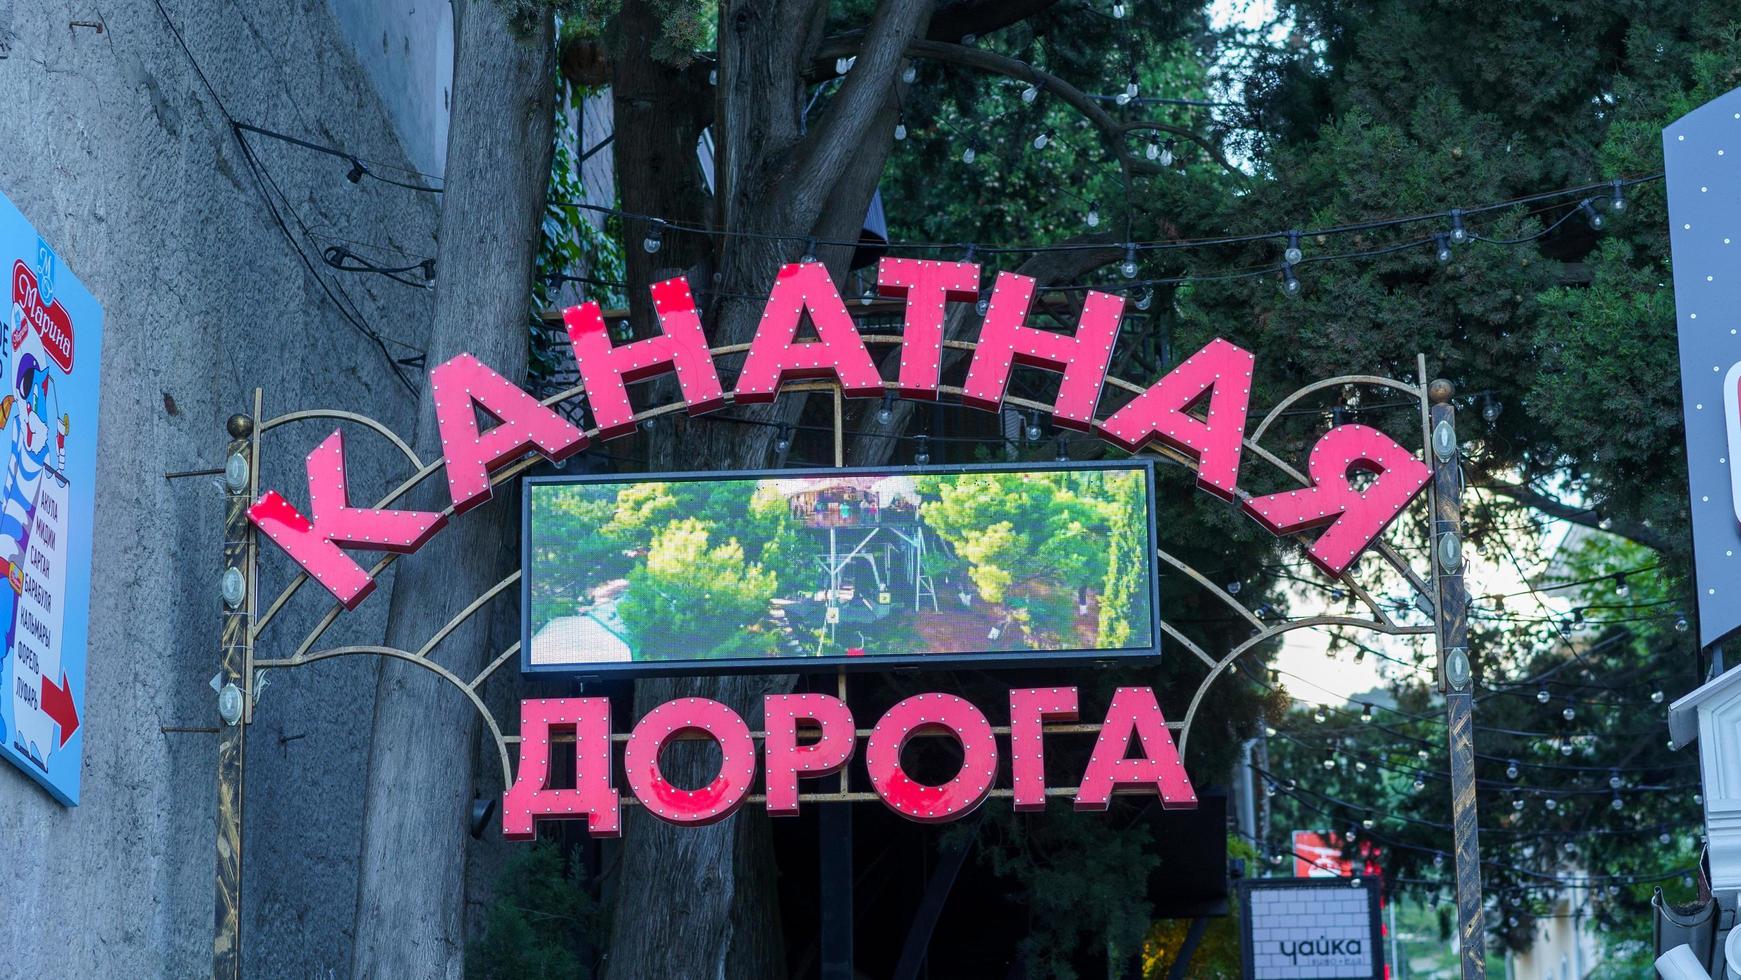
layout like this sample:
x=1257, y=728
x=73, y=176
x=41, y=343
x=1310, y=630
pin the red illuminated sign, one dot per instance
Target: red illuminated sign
x=1323, y=854
x=50, y=322
x=1220, y=374
x=827, y=747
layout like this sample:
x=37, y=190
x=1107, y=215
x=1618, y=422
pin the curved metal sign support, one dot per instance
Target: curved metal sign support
x=239, y=681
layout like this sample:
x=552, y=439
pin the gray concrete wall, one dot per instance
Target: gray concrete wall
x=111, y=145
x=406, y=49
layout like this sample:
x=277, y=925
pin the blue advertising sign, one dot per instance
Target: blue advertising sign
x=48, y=413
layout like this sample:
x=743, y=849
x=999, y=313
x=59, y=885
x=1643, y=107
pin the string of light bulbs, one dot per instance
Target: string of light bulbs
x=1609, y=193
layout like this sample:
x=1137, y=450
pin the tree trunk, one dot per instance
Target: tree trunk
x=702, y=902
x=411, y=888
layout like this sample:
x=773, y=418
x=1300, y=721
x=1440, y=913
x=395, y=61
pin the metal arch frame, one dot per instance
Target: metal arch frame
x=244, y=630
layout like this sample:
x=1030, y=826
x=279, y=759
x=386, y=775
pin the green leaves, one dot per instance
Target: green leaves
x=538, y=922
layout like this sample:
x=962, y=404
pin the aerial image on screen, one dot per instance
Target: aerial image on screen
x=886, y=564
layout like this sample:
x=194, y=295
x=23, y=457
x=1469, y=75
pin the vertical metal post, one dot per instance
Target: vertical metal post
x=234, y=684
x=834, y=832
x=839, y=428
x=1455, y=677
x=834, y=820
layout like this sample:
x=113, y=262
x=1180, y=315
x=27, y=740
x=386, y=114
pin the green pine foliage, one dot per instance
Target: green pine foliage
x=540, y=921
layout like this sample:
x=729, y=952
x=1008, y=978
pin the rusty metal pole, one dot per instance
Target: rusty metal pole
x=234, y=688
x=1456, y=680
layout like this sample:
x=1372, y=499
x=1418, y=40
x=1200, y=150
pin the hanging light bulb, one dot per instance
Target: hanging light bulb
x=1063, y=450
x=1656, y=697
x=1366, y=824
x=1366, y=714
x=1233, y=587
x=1569, y=711
x=1269, y=730
x=1570, y=847
x=1490, y=408
x=1130, y=87
x=809, y=251
x=1421, y=754
x=1030, y=93
x=1145, y=298
x=1290, y=282
x=1550, y=803
x=783, y=444
x=910, y=74
x=1511, y=769
x=1092, y=218
x=1543, y=695
x=1681, y=624
x=1359, y=765
x=1438, y=862
x=1614, y=779
x=1319, y=716
x=1566, y=747
x=1152, y=151
x=968, y=155
x=655, y=236
x=1459, y=234
x=1128, y=266
x=900, y=128
x=886, y=413
x=844, y=65
x=1517, y=803
x=984, y=302
x=1621, y=589
x=922, y=451
x=1663, y=838
x=1593, y=216
x=1420, y=784
x=1167, y=153
x=1329, y=758
x=1034, y=432
x=1442, y=248
x=1616, y=203
x=1118, y=9
x=1292, y=254
x=1041, y=140
x=713, y=76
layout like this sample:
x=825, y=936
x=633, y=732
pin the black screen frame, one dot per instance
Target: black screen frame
x=938, y=661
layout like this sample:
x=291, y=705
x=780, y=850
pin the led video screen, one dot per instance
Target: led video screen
x=807, y=569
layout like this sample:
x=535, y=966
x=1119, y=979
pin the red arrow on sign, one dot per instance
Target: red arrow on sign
x=57, y=703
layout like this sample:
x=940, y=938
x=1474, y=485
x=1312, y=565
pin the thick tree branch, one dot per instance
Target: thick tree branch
x=1588, y=517
x=853, y=110
x=586, y=62
x=1112, y=131
x=954, y=21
